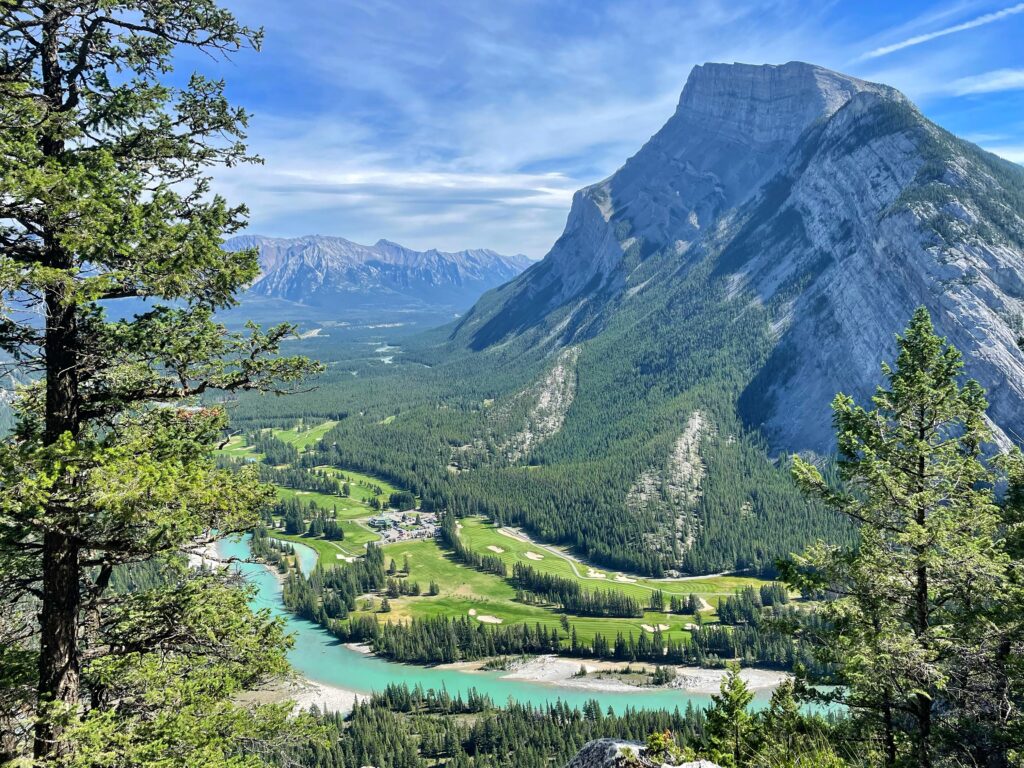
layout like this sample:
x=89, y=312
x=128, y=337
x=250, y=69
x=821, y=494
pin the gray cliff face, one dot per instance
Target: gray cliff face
x=827, y=204
x=888, y=213
x=318, y=270
x=733, y=126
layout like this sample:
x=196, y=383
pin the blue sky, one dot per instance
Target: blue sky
x=470, y=124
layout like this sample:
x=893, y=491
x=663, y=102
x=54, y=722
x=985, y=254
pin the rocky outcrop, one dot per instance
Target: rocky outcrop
x=672, y=491
x=612, y=753
x=319, y=270
x=550, y=399
x=525, y=420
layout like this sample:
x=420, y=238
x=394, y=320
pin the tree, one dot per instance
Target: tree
x=105, y=199
x=913, y=615
x=294, y=522
x=728, y=722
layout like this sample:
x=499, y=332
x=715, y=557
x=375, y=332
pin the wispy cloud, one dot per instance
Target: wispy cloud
x=464, y=124
x=989, y=82
x=1012, y=152
x=978, y=21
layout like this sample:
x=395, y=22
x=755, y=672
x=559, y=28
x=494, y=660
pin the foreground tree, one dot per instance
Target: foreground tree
x=103, y=198
x=729, y=724
x=924, y=615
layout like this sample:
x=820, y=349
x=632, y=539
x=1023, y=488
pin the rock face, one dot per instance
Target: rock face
x=609, y=753
x=319, y=270
x=825, y=207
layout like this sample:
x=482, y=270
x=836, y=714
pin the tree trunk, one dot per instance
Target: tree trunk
x=922, y=616
x=58, y=652
x=889, y=732
x=59, y=662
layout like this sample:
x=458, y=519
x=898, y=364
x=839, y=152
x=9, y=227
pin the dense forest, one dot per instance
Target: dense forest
x=406, y=422
x=412, y=728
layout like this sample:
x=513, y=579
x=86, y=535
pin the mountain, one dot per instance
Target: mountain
x=633, y=395
x=322, y=271
x=812, y=210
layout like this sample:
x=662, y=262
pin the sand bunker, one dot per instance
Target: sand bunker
x=625, y=579
x=345, y=558
x=592, y=574
x=472, y=611
x=649, y=628
x=534, y=556
x=488, y=619
x=494, y=549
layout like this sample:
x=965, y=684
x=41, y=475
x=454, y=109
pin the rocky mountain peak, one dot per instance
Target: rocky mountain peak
x=767, y=103
x=826, y=206
x=733, y=129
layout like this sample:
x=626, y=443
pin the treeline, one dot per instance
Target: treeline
x=406, y=728
x=307, y=518
x=267, y=549
x=275, y=451
x=314, y=480
x=570, y=596
x=449, y=536
x=443, y=640
x=747, y=605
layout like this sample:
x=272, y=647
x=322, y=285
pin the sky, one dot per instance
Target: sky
x=451, y=124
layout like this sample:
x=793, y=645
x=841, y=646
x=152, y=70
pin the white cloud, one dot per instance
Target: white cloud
x=1012, y=152
x=989, y=82
x=978, y=21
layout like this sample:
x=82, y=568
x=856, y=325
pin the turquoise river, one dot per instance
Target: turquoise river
x=321, y=658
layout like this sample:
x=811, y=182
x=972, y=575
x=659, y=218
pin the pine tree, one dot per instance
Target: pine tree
x=911, y=606
x=105, y=198
x=728, y=722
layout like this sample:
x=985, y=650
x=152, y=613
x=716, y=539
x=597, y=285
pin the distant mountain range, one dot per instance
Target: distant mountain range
x=813, y=211
x=326, y=272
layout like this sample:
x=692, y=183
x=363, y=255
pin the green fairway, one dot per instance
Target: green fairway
x=303, y=438
x=484, y=538
x=347, y=508
x=238, y=448
x=327, y=551
x=362, y=487
x=464, y=589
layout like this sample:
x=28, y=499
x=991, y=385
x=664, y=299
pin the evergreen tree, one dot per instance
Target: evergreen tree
x=911, y=621
x=105, y=198
x=728, y=722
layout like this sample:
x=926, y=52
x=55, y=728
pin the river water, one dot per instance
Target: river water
x=320, y=657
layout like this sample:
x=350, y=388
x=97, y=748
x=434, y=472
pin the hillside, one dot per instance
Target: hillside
x=323, y=271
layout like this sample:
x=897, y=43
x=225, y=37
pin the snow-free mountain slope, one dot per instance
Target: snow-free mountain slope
x=822, y=208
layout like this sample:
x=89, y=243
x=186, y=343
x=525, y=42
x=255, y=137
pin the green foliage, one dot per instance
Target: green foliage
x=637, y=385
x=922, y=617
x=106, y=199
x=729, y=725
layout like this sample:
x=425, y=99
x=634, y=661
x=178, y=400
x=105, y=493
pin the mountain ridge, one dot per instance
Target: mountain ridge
x=319, y=269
